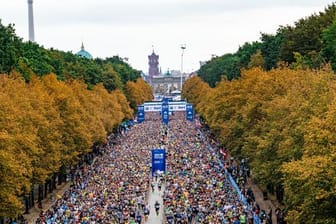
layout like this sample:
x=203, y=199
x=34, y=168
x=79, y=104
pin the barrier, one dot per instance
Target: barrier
x=242, y=198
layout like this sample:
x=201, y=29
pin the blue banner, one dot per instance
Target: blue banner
x=167, y=99
x=165, y=113
x=141, y=114
x=189, y=112
x=158, y=161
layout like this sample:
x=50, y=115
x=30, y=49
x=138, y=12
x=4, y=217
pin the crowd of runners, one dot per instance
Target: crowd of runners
x=115, y=187
x=197, y=189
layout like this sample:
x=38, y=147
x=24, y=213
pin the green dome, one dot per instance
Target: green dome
x=83, y=53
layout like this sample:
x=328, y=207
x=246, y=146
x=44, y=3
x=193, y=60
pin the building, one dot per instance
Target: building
x=83, y=53
x=153, y=62
x=163, y=84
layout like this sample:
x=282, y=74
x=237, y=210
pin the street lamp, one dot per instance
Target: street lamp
x=183, y=47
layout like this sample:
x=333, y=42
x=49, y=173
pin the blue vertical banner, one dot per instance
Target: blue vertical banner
x=141, y=114
x=165, y=113
x=158, y=161
x=189, y=112
x=166, y=100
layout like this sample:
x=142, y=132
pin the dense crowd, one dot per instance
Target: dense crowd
x=197, y=189
x=115, y=187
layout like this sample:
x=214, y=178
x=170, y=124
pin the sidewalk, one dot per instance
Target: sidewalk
x=259, y=198
x=46, y=203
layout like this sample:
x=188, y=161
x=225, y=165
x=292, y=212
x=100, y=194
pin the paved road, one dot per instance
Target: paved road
x=153, y=197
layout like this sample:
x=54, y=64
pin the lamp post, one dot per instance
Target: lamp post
x=183, y=47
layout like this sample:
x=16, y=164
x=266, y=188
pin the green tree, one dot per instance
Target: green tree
x=225, y=66
x=9, y=45
x=329, y=45
x=245, y=52
x=270, y=49
x=111, y=78
x=305, y=37
x=36, y=58
x=126, y=72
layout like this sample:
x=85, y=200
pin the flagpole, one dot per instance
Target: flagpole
x=183, y=47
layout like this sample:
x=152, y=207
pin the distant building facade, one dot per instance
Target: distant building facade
x=153, y=62
x=163, y=84
x=166, y=83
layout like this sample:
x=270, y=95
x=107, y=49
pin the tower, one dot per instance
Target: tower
x=153, y=62
x=31, y=21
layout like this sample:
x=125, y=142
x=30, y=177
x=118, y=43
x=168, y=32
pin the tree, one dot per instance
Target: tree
x=110, y=111
x=194, y=89
x=256, y=60
x=329, y=44
x=111, y=79
x=9, y=45
x=305, y=37
x=126, y=72
x=245, y=52
x=225, y=66
x=17, y=145
x=46, y=120
x=310, y=189
x=36, y=58
x=275, y=118
x=125, y=105
x=138, y=92
x=270, y=49
x=75, y=138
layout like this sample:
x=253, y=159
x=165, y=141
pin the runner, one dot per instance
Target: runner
x=115, y=187
x=157, y=207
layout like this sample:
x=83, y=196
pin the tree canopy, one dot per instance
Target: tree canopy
x=54, y=106
x=48, y=123
x=282, y=121
x=309, y=43
x=29, y=58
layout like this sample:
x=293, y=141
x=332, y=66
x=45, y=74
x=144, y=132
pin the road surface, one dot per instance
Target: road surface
x=153, y=197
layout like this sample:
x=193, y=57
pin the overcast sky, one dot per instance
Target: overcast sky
x=129, y=28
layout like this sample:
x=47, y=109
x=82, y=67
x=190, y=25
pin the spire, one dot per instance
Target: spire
x=31, y=21
x=84, y=53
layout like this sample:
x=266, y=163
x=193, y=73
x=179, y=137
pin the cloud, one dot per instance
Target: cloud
x=130, y=27
x=135, y=12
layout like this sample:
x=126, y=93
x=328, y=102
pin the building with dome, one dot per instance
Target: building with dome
x=83, y=53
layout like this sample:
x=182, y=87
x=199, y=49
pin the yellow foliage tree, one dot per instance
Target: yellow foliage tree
x=138, y=92
x=125, y=105
x=274, y=118
x=90, y=102
x=75, y=139
x=18, y=146
x=110, y=110
x=310, y=186
x=47, y=125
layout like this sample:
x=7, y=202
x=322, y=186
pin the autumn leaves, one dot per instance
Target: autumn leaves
x=284, y=121
x=48, y=123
